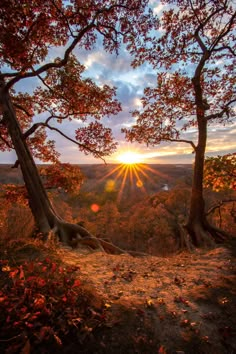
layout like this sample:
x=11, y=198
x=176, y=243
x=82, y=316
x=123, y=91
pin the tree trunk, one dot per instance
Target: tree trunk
x=44, y=214
x=201, y=233
x=197, y=224
x=38, y=199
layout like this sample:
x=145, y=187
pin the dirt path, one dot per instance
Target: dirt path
x=185, y=303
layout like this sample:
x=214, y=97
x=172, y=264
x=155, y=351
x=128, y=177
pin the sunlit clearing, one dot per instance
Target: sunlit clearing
x=129, y=158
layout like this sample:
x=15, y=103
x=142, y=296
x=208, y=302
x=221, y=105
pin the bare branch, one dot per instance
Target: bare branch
x=6, y=142
x=68, y=51
x=73, y=141
x=32, y=129
x=222, y=112
x=184, y=141
x=46, y=125
x=9, y=74
x=217, y=206
x=17, y=105
x=57, y=64
x=223, y=48
x=224, y=32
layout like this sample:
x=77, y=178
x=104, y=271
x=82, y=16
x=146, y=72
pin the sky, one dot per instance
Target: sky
x=114, y=70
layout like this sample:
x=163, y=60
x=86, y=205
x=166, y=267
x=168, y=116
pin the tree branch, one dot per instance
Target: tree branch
x=51, y=89
x=64, y=60
x=6, y=142
x=17, y=105
x=32, y=129
x=184, y=141
x=57, y=64
x=223, y=48
x=74, y=141
x=217, y=206
x=224, y=32
x=45, y=124
x=64, y=16
x=222, y=112
x=201, y=26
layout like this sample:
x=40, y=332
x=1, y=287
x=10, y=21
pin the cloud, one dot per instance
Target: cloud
x=105, y=68
x=157, y=10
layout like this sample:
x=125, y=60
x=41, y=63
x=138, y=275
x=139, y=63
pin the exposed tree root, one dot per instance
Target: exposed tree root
x=184, y=238
x=73, y=235
x=200, y=235
x=219, y=235
x=206, y=235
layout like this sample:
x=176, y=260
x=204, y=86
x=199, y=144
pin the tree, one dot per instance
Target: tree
x=30, y=32
x=108, y=219
x=220, y=172
x=194, y=54
x=220, y=178
x=151, y=227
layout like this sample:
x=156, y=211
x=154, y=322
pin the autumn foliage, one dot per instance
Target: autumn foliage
x=42, y=304
x=193, y=55
x=220, y=172
x=40, y=44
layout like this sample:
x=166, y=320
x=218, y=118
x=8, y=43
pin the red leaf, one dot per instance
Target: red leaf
x=22, y=274
x=54, y=267
x=76, y=283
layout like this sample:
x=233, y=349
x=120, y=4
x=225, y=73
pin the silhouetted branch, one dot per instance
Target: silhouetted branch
x=217, y=206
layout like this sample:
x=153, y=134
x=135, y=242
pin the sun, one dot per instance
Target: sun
x=129, y=158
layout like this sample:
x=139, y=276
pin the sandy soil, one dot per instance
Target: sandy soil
x=181, y=304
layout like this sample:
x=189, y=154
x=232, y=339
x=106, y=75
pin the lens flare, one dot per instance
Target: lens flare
x=95, y=208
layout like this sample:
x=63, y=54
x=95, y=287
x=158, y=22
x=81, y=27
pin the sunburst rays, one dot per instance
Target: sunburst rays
x=130, y=175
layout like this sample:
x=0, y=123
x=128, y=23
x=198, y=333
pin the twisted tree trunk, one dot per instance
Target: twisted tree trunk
x=45, y=216
x=198, y=227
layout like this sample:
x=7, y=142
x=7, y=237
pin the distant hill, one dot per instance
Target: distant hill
x=144, y=177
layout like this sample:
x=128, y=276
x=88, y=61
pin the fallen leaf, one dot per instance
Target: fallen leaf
x=107, y=306
x=149, y=303
x=77, y=283
x=6, y=269
x=58, y=340
x=39, y=302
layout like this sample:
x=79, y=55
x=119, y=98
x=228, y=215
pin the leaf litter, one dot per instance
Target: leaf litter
x=101, y=303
